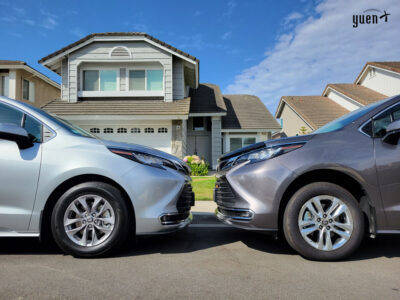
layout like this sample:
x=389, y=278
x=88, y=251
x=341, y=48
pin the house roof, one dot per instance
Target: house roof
x=119, y=107
x=314, y=110
x=359, y=93
x=19, y=64
x=207, y=98
x=247, y=112
x=393, y=66
x=107, y=34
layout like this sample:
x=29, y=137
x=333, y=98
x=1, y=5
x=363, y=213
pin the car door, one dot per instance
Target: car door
x=19, y=172
x=387, y=159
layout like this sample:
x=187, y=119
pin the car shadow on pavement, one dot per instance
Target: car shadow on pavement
x=205, y=233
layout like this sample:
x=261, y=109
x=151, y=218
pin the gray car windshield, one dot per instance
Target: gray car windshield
x=348, y=118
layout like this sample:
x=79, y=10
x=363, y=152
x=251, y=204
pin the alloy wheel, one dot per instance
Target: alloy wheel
x=89, y=220
x=325, y=222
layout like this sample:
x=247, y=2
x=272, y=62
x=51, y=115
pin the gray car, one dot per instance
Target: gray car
x=90, y=195
x=325, y=190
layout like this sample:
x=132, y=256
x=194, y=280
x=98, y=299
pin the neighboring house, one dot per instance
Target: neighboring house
x=131, y=87
x=21, y=82
x=376, y=81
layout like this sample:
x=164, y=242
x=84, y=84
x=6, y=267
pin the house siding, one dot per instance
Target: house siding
x=342, y=100
x=382, y=81
x=178, y=79
x=216, y=140
x=292, y=123
x=98, y=52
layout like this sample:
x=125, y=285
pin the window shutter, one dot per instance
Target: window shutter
x=31, y=91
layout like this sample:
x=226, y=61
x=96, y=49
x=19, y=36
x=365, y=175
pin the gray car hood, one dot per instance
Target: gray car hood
x=141, y=148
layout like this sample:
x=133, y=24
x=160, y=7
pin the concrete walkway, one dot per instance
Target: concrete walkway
x=204, y=206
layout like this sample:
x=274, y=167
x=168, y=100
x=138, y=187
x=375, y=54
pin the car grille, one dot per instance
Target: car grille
x=223, y=194
x=186, y=199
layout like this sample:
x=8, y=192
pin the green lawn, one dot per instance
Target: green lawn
x=203, y=187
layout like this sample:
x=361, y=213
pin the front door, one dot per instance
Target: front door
x=19, y=173
x=387, y=159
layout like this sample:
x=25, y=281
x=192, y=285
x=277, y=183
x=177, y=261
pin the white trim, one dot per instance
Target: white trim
x=122, y=38
x=18, y=234
x=120, y=94
x=126, y=48
x=351, y=100
x=117, y=70
x=32, y=71
x=207, y=114
x=248, y=130
x=123, y=117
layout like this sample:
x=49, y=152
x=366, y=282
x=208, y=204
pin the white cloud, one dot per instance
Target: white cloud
x=292, y=17
x=231, y=6
x=227, y=35
x=49, y=23
x=323, y=48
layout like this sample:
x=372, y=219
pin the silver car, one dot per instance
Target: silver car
x=59, y=181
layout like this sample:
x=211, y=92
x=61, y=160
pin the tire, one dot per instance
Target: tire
x=105, y=218
x=344, y=238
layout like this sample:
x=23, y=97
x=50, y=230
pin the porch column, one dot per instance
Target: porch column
x=216, y=144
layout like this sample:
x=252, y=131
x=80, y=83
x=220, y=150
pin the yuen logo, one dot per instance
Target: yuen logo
x=370, y=16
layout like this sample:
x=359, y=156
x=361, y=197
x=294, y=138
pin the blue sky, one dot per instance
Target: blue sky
x=266, y=48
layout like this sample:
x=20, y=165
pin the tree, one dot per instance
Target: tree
x=303, y=130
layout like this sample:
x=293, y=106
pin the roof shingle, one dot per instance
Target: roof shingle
x=119, y=107
x=393, y=66
x=359, y=93
x=247, y=112
x=315, y=110
x=207, y=98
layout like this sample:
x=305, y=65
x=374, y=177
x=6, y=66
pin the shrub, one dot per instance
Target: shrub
x=198, y=166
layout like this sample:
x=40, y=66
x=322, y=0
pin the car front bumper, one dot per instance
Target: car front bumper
x=161, y=199
x=248, y=196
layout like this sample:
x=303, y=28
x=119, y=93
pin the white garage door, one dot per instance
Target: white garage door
x=157, y=136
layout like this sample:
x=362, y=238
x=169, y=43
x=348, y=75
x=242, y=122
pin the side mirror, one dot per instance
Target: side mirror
x=392, y=133
x=15, y=133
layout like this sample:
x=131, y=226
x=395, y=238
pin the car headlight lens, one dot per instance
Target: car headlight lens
x=262, y=154
x=144, y=158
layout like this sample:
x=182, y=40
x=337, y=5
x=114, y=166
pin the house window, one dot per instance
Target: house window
x=108, y=130
x=239, y=142
x=146, y=80
x=198, y=124
x=94, y=130
x=149, y=130
x=4, y=86
x=122, y=130
x=135, y=130
x=99, y=80
x=28, y=90
x=163, y=130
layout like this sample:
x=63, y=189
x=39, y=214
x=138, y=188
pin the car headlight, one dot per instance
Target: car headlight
x=144, y=158
x=262, y=154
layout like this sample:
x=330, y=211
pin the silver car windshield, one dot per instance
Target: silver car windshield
x=348, y=118
x=74, y=129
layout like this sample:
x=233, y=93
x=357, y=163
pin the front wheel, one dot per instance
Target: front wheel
x=90, y=219
x=323, y=221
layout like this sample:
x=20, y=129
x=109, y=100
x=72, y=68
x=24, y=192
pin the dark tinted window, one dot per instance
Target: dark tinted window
x=10, y=115
x=33, y=127
x=381, y=122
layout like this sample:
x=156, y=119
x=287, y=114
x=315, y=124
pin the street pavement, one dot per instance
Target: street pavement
x=205, y=261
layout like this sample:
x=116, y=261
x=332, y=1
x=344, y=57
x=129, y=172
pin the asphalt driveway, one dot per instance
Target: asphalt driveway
x=205, y=261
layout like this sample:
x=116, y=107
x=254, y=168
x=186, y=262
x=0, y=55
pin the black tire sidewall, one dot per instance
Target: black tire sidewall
x=121, y=226
x=292, y=231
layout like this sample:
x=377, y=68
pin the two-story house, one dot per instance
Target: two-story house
x=132, y=87
x=376, y=81
x=21, y=82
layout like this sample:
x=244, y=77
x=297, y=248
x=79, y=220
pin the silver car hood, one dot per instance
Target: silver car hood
x=141, y=148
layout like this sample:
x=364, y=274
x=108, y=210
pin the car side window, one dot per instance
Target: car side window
x=10, y=115
x=33, y=127
x=381, y=122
